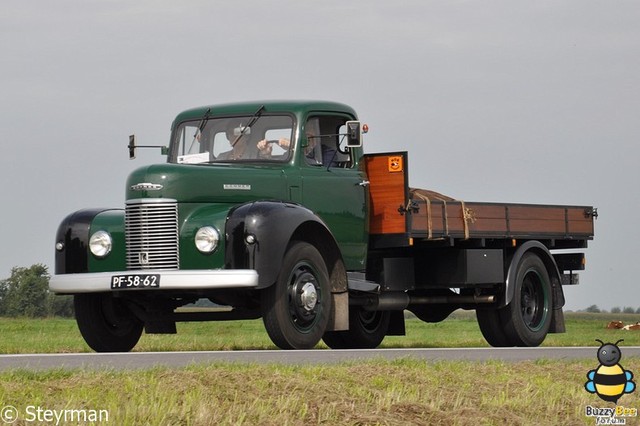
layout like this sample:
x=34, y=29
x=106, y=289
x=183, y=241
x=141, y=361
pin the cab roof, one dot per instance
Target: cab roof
x=296, y=107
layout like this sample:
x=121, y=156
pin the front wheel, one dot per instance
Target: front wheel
x=296, y=308
x=105, y=323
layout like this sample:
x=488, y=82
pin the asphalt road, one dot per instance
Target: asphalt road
x=145, y=360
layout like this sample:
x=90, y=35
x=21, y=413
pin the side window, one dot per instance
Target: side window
x=326, y=144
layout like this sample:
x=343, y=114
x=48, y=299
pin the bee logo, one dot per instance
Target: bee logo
x=609, y=381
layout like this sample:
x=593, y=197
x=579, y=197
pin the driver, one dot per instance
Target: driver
x=265, y=147
x=240, y=146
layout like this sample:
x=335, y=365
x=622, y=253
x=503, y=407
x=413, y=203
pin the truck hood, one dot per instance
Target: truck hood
x=207, y=183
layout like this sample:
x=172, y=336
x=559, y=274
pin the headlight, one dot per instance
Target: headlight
x=100, y=244
x=207, y=239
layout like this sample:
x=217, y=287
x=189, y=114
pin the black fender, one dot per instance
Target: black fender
x=258, y=233
x=554, y=275
x=72, y=241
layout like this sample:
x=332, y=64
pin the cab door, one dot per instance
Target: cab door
x=334, y=188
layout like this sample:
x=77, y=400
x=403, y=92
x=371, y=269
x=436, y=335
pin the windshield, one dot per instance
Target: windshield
x=229, y=139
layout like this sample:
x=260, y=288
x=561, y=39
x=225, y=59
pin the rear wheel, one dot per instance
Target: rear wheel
x=366, y=330
x=528, y=317
x=492, y=328
x=296, y=308
x=105, y=323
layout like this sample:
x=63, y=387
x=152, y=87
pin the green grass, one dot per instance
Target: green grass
x=58, y=335
x=404, y=391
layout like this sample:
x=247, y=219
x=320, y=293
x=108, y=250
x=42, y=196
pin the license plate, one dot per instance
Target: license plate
x=138, y=281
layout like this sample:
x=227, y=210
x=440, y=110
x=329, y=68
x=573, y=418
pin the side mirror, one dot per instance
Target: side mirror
x=354, y=134
x=132, y=147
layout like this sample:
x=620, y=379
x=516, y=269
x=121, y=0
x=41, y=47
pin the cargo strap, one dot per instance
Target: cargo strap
x=427, y=200
x=468, y=215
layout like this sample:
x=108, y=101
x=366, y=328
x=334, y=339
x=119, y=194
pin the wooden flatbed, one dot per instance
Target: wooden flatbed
x=400, y=215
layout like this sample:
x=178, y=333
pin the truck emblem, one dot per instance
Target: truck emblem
x=143, y=258
x=236, y=186
x=146, y=187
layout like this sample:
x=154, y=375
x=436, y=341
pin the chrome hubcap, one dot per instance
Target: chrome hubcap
x=309, y=297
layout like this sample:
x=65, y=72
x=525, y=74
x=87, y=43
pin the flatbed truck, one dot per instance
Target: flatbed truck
x=272, y=210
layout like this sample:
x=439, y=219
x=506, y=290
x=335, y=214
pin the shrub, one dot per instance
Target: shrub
x=26, y=294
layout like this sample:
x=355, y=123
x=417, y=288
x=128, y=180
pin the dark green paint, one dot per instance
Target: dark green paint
x=111, y=221
x=193, y=216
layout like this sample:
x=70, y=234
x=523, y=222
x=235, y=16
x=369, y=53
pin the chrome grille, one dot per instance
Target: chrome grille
x=151, y=231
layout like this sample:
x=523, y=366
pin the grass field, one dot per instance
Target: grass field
x=374, y=392
x=406, y=391
x=58, y=335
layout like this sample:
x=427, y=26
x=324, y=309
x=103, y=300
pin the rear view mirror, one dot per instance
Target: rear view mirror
x=242, y=130
x=132, y=147
x=354, y=134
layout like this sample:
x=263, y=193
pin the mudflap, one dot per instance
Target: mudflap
x=339, y=319
x=557, y=317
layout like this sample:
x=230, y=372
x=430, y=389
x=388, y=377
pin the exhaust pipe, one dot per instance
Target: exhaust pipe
x=400, y=301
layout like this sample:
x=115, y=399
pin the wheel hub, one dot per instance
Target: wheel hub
x=308, y=296
x=532, y=301
x=305, y=297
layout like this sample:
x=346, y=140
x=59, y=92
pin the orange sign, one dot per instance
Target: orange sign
x=395, y=163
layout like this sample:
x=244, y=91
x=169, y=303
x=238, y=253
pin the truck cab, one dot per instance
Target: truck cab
x=244, y=187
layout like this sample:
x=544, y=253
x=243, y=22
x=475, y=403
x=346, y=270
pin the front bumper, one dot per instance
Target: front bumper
x=169, y=280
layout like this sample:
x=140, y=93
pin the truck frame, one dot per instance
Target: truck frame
x=272, y=210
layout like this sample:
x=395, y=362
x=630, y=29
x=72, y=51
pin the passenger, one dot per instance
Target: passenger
x=315, y=153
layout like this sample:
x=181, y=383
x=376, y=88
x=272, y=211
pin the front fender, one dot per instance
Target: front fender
x=72, y=241
x=269, y=226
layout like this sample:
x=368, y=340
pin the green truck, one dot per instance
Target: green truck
x=272, y=210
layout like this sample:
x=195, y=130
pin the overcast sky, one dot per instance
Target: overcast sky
x=513, y=101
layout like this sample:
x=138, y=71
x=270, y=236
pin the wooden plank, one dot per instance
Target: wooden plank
x=579, y=221
x=387, y=192
x=440, y=219
x=487, y=218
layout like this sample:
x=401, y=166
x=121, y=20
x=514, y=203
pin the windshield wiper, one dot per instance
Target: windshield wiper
x=252, y=121
x=203, y=122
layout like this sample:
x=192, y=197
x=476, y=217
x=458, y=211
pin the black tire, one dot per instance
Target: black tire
x=105, y=323
x=492, y=328
x=528, y=317
x=367, y=329
x=295, y=310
